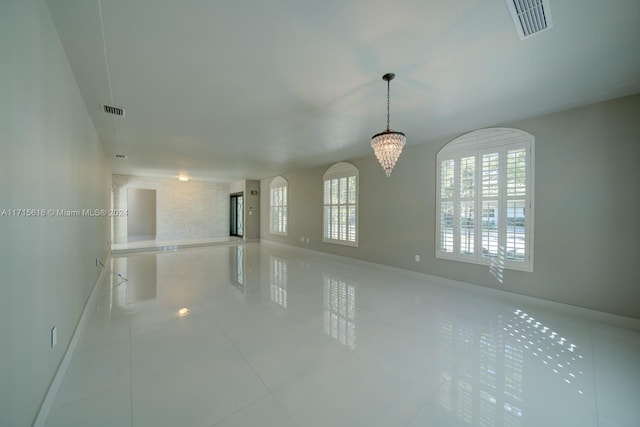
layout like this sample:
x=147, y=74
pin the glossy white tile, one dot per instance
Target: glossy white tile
x=523, y=370
x=617, y=374
x=265, y=412
x=111, y=408
x=348, y=393
x=408, y=361
x=94, y=371
x=604, y=421
x=104, y=328
x=281, y=355
x=187, y=343
x=259, y=335
x=198, y=394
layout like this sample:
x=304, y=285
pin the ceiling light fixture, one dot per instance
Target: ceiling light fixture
x=183, y=178
x=388, y=145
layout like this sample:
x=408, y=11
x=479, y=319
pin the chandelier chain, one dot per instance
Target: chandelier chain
x=388, y=101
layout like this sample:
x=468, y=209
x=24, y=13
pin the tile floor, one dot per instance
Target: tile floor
x=263, y=335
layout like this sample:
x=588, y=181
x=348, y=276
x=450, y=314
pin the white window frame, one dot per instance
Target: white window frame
x=334, y=174
x=475, y=144
x=279, y=184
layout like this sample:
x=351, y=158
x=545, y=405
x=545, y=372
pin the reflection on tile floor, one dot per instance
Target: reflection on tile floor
x=264, y=335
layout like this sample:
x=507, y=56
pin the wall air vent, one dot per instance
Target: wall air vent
x=116, y=111
x=530, y=16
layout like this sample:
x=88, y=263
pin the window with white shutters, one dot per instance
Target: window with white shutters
x=278, y=206
x=485, y=199
x=340, y=216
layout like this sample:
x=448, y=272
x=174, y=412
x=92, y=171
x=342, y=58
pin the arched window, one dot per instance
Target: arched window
x=340, y=223
x=278, y=206
x=485, y=199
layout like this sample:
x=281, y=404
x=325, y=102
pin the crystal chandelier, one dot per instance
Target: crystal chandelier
x=387, y=145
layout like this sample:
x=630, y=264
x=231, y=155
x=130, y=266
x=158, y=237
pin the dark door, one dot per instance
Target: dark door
x=237, y=219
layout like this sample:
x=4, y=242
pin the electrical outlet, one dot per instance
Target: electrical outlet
x=302, y=239
x=54, y=337
x=417, y=258
x=307, y=240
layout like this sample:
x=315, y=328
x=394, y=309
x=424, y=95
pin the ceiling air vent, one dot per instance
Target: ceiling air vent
x=530, y=16
x=120, y=156
x=116, y=111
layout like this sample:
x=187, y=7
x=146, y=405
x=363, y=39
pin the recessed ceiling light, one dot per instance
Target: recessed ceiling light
x=183, y=178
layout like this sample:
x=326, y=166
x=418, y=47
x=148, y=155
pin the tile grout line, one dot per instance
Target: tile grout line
x=340, y=358
x=270, y=392
x=244, y=359
x=386, y=376
x=223, y=332
x=459, y=363
x=425, y=404
x=293, y=421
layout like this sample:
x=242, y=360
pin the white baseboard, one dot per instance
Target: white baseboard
x=54, y=387
x=582, y=312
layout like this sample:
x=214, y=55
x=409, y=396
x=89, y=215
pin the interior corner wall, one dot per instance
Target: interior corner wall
x=185, y=210
x=586, y=211
x=52, y=159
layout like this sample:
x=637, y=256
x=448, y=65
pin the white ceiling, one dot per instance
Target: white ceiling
x=231, y=89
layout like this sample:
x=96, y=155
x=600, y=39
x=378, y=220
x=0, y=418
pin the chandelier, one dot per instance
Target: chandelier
x=387, y=145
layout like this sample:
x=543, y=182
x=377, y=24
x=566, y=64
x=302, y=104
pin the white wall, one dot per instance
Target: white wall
x=50, y=158
x=185, y=210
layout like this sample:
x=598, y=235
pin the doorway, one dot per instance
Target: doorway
x=236, y=215
x=141, y=221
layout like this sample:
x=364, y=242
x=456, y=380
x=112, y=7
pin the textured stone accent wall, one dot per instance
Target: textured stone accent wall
x=185, y=210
